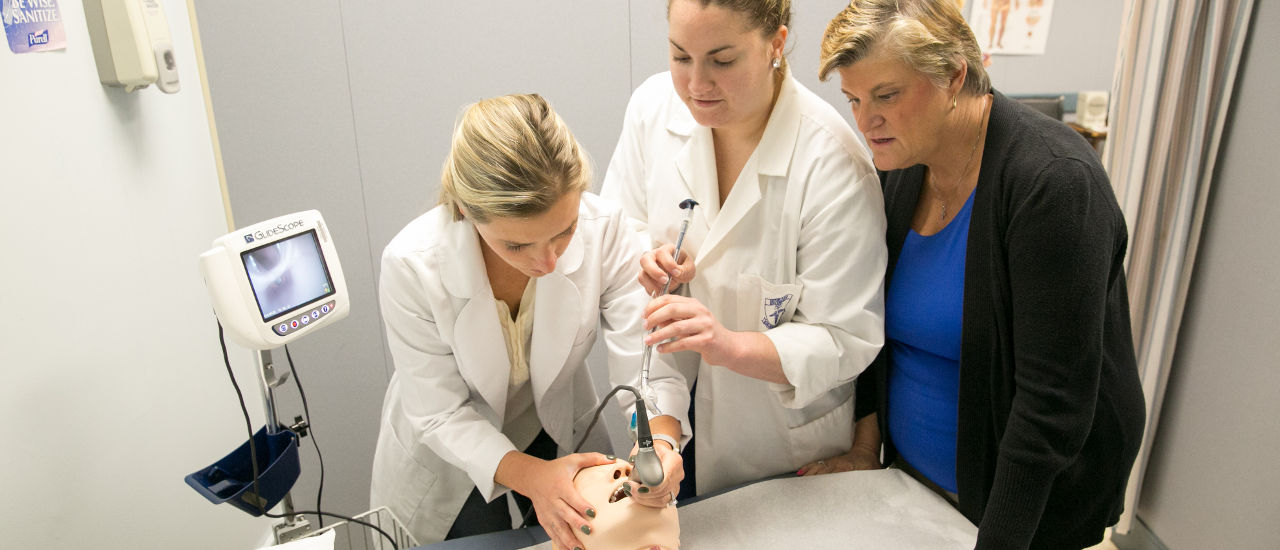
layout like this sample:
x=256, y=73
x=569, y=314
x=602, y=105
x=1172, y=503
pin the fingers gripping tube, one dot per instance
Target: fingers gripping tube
x=648, y=467
x=650, y=398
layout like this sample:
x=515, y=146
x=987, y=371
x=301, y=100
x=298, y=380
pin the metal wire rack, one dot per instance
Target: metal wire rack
x=359, y=537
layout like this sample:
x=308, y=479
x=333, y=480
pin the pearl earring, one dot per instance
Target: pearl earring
x=777, y=63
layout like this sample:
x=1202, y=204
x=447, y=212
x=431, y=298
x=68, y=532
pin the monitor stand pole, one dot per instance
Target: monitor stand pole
x=293, y=526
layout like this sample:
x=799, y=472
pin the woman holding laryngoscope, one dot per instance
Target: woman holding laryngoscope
x=491, y=302
x=780, y=305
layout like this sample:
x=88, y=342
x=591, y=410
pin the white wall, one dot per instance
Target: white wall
x=1212, y=480
x=113, y=385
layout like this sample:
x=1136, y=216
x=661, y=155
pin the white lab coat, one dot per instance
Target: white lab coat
x=443, y=412
x=797, y=252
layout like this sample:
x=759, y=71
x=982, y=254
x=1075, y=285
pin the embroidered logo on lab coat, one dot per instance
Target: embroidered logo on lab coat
x=774, y=308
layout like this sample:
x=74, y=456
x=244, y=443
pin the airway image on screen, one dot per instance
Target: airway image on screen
x=287, y=274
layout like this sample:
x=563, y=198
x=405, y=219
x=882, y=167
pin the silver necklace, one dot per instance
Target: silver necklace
x=934, y=183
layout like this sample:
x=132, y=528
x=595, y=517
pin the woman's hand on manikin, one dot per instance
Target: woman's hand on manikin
x=562, y=511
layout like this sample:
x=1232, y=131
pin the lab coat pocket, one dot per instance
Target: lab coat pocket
x=763, y=305
x=403, y=484
x=827, y=435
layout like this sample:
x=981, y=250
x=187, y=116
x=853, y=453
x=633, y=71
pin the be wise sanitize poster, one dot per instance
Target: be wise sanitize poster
x=33, y=25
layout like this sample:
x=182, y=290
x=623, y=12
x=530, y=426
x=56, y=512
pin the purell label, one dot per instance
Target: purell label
x=33, y=25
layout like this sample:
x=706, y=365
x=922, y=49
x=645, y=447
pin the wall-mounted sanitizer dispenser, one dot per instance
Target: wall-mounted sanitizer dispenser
x=131, y=44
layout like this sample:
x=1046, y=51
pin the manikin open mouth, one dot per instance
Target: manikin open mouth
x=624, y=490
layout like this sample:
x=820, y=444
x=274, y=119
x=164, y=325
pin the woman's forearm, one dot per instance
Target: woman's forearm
x=751, y=354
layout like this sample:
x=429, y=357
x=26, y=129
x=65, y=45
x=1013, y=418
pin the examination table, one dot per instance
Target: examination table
x=872, y=509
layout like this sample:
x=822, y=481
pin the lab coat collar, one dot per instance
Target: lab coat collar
x=696, y=161
x=557, y=307
x=556, y=313
x=696, y=164
x=481, y=351
x=772, y=158
x=461, y=262
x=463, y=275
x=780, y=132
x=681, y=121
x=778, y=143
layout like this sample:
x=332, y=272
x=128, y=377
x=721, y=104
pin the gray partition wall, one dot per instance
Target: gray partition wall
x=1212, y=480
x=347, y=107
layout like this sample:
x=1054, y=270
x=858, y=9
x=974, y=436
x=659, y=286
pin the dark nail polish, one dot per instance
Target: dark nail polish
x=644, y=489
x=591, y=512
x=577, y=548
x=586, y=529
x=611, y=457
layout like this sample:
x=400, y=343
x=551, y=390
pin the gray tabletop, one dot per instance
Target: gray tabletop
x=875, y=509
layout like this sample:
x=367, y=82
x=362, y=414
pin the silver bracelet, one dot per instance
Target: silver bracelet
x=668, y=439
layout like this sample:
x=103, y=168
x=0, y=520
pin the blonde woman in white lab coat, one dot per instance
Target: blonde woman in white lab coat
x=782, y=303
x=491, y=302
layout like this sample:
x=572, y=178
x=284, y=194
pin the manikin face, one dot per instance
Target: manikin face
x=533, y=245
x=899, y=111
x=621, y=523
x=721, y=68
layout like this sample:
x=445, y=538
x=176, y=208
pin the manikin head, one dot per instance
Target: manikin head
x=621, y=523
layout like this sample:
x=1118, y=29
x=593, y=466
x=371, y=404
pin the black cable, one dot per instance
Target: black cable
x=600, y=408
x=248, y=424
x=306, y=412
x=596, y=418
x=253, y=453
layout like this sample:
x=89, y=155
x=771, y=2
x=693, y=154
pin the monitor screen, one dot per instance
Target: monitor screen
x=287, y=274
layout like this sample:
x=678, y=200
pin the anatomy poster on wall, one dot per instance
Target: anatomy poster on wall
x=33, y=25
x=1016, y=27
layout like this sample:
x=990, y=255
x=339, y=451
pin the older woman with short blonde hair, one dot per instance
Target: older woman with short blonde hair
x=1008, y=381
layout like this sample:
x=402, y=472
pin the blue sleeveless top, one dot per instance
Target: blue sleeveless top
x=923, y=312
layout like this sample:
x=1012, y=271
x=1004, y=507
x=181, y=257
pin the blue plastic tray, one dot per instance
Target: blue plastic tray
x=231, y=479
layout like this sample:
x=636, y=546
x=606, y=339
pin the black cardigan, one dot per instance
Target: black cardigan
x=1051, y=409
